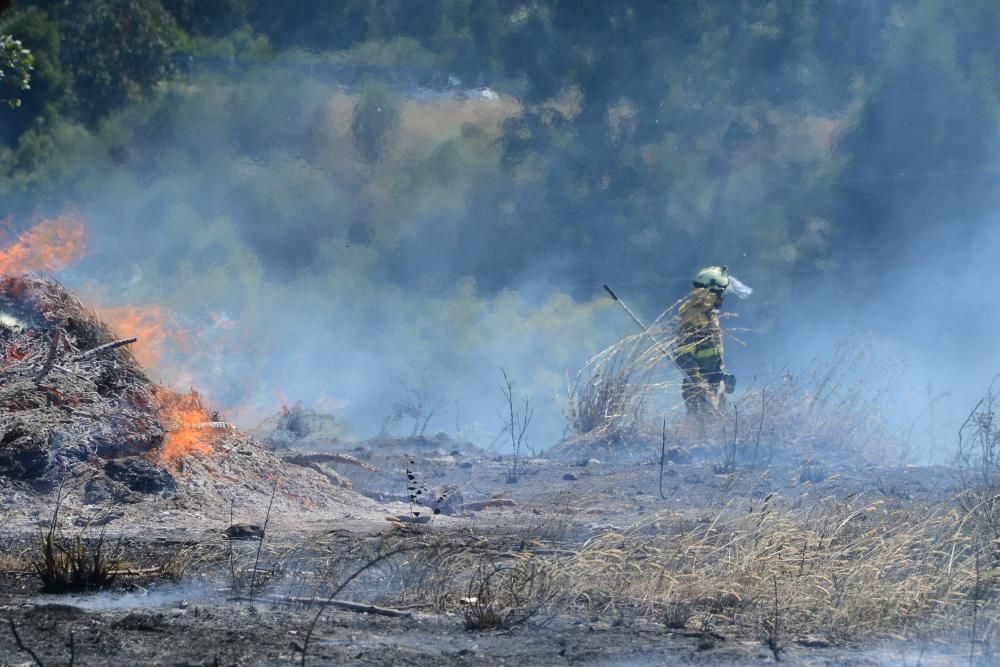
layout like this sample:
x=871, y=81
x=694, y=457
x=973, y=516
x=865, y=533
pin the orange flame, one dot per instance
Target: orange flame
x=183, y=416
x=48, y=246
x=147, y=323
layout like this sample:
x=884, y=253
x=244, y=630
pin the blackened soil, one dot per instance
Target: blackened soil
x=150, y=619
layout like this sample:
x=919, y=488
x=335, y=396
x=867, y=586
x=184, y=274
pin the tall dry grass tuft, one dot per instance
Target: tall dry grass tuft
x=608, y=399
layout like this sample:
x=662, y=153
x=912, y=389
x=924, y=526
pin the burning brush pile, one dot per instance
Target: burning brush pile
x=72, y=394
x=77, y=410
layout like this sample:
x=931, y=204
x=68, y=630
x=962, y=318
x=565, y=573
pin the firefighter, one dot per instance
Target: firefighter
x=698, y=350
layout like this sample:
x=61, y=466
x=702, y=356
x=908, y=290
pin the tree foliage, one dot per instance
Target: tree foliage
x=15, y=68
x=117, y=50
x=646, y=134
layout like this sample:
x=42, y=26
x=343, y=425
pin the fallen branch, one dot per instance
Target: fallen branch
x=101, y=349
x=493, y=503
x=347, y=605
x=306, y=460
x=137, y=573
x=218, y=426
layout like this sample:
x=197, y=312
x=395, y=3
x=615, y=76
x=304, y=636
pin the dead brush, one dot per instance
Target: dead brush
x=506, y=594
x=832, y=411
x=676, y=614
x=607, y=400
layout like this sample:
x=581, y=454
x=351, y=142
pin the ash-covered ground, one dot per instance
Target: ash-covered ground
x=139, y=527
x=184, y=596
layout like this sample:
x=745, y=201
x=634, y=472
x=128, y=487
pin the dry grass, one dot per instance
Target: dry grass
x=607, y=401
x=504, y=594
x=849, y=570
x=830, y=413
x=15, y=563
x=979, y=465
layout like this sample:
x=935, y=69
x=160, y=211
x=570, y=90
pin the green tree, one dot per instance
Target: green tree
x=117, y=50
x=209, y=17
x=16, y=63
x=51, y=83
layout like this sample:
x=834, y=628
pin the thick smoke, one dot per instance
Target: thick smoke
x=337, y=235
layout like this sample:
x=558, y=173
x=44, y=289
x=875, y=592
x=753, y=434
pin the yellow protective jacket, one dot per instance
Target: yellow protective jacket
x=699, y=337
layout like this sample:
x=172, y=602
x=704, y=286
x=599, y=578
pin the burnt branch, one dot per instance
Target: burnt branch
x=101, y=349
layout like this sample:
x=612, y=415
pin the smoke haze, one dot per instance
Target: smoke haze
x=330, y=218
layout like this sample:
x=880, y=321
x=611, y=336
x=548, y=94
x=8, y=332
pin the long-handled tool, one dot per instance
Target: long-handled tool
x=635, y=318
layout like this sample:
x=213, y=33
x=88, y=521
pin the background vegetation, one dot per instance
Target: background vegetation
x=367, y=192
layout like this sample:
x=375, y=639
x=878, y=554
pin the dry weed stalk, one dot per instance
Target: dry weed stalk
x=979, y=465
x=517, y=423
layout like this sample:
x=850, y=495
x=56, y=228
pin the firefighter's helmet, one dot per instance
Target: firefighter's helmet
x=715, y=278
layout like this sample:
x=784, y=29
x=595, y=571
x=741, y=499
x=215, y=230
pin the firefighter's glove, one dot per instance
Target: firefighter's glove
x=730, y=381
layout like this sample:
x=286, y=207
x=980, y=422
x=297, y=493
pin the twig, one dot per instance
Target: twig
x=663, y=452
x=267, y=517
x=20, y=644
x=760, y=426
x=736, y=434
x=975, y=613
x=68, y=371
x=136, y=573
x=333, y=457
x=101, y=349
x=518, y=423
x=232, y=564
x=774, y=635
x=961, y=428
x=347, y=605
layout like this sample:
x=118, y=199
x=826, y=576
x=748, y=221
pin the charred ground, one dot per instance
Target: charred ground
x=140, y=527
